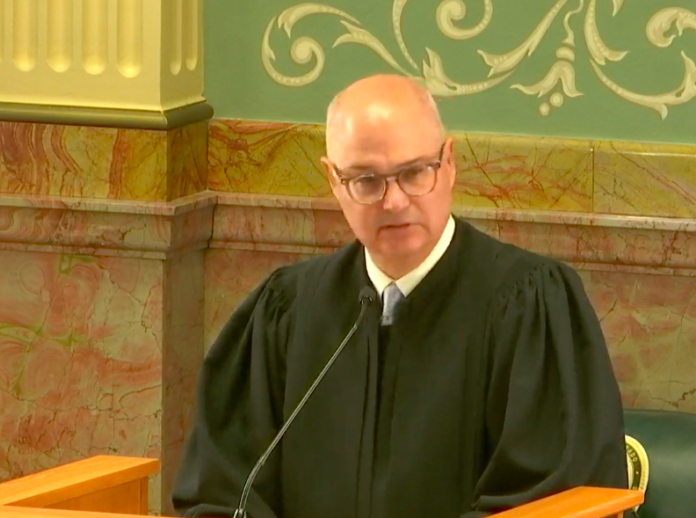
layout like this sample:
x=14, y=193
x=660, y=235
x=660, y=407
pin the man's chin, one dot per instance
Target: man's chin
x=403, y=247
x=395, y=232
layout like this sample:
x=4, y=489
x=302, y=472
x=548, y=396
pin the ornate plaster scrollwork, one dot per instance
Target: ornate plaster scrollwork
x=557, y=84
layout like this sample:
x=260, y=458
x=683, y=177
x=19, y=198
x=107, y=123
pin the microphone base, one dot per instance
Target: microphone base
x=240, y=513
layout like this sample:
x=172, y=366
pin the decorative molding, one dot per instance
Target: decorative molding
x=106, y=117
x=558, y=84
x=303, y=225
x=106, y=227
x=315, y=225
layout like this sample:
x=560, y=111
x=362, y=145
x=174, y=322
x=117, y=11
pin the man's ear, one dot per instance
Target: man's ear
x=330, y=176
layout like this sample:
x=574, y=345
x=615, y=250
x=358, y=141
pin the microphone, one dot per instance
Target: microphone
x=367, y=297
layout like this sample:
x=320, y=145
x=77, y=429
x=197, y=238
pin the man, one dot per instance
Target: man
x=479, y=383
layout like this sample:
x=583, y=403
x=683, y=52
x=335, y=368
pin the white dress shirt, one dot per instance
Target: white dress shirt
x=408, y=282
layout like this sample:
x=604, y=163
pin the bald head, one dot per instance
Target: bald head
x=379, y=104
x=384, y=132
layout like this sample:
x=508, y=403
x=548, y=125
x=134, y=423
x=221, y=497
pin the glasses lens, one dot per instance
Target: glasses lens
x=366, y=189
x=418, y=181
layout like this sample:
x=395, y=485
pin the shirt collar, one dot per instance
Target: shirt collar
x=408, y=282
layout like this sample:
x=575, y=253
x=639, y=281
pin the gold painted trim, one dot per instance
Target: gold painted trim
x=106, y=117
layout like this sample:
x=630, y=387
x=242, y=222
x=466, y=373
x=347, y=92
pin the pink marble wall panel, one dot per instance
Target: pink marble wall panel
x=118, y=237
x=181, y=357
x=230, y=275
x=649, y=322
x=80, y=359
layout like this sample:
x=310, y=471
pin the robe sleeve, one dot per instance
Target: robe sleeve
x=238, y=411
x=553, y=412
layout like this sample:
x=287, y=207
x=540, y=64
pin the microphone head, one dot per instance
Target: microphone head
x=367, y=295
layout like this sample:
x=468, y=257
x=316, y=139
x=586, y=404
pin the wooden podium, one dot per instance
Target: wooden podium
x=116, y=487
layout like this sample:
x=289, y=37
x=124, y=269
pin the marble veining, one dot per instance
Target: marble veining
x=109, y=163
x=493, y=171
x=80, y=359
x=123, y=253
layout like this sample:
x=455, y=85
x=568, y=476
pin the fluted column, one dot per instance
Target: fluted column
x=109, y=54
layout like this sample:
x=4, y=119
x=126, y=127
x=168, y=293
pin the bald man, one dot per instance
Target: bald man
x=478, y=380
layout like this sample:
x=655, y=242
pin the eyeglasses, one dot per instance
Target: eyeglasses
x=414, y=180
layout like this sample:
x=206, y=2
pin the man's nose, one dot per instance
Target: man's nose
x=395, y=199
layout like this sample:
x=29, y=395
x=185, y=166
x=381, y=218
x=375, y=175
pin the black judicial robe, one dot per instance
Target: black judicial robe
x=492, y=388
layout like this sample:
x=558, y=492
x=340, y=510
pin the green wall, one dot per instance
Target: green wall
x=655, y=79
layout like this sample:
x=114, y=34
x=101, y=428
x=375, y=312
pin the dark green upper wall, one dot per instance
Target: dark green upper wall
x=646, y=94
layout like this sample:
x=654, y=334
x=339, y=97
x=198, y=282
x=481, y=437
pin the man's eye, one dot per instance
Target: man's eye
x=367, y=181
x=412, y=174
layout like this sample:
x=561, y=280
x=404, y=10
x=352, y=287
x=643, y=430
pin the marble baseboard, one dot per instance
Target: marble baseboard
x=113, y=163
x=494, y=171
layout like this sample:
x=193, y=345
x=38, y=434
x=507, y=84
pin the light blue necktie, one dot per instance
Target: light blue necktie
x=391, y=298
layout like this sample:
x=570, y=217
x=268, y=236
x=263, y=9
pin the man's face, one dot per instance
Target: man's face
x=399, y=227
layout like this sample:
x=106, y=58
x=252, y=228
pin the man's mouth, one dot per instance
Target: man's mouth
x=396, y=226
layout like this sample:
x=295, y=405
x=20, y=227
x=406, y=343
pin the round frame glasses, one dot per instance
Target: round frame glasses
x=414, y=180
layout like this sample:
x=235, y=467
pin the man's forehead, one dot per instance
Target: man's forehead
x=379, y=116
x=381, y=142
x=384, y=133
